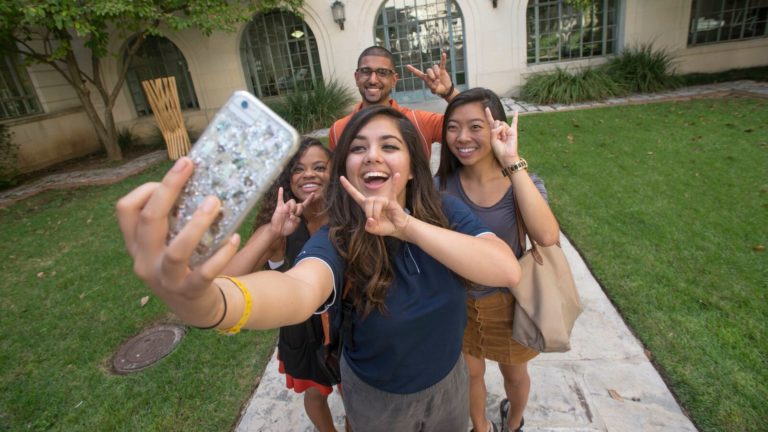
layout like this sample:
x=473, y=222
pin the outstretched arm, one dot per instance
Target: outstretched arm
x=485, y=259
x=197, y=295
x=263, y=245
x=437, y=78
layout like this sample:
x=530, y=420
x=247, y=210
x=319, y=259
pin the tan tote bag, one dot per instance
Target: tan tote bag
x=546, y=301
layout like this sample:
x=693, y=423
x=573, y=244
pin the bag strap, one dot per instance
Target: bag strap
x=522, y=230
x=346, y=317
x=346, y=314
x=326, y=328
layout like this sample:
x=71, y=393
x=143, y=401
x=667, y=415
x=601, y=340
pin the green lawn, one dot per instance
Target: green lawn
x=668, y=203
x=69, y=299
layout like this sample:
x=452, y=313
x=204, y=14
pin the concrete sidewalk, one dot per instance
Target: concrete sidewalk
x=569, y=392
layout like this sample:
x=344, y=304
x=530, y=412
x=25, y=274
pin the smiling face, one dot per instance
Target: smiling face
x=310, y=173
x=375, y=89
x=468, y=134
x=376, y=154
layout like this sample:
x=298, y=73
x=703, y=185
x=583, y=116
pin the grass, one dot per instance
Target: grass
x=69, y=299
x=668, y=203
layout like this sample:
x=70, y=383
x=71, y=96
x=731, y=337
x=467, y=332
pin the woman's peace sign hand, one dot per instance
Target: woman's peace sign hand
x=384, y=216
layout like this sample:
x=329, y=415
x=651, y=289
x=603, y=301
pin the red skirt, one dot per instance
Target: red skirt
x=301, y=385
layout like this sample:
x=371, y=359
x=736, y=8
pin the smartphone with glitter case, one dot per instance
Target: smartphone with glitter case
x=237, y=157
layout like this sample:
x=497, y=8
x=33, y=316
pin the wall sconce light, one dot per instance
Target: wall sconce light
x=495, y=3
x=337, y=8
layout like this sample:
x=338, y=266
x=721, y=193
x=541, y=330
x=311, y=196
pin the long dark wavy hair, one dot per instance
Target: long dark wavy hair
x=368, y=256
x=269, y=200
x=449, y=163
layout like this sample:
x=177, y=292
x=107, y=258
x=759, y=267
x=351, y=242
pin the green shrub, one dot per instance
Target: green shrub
x=126, y=139
x=560, y=86
x=9, y=155
x=642, y=69
x=315, y=107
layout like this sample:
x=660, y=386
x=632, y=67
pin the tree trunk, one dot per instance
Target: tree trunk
x=107, y=133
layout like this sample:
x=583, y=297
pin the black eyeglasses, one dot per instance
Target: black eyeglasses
x=366, y=72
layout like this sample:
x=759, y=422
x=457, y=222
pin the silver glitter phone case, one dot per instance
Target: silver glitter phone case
x=239, y=155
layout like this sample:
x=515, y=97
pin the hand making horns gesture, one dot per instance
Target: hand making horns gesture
x=503, y=138
x=436, y=77
x=287, y=215
x=385, y=217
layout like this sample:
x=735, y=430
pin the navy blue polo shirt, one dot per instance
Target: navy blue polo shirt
x=418, y=340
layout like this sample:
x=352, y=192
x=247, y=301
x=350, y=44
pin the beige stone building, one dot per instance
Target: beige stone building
x=491, y=43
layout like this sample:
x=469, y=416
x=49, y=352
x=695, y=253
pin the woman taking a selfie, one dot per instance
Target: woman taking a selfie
x=480, y=165
x=388, y=235
x=290, y=212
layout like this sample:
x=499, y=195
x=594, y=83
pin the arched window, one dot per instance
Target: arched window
x=158, y=57
x=17, y=96
x=558, y=31
x=724, y=20
x=279, y=54
x=417, y=32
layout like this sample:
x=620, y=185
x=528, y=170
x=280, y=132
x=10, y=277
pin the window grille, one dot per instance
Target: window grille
x=158, y=57
x=17, y=96
x=715, y=21
x=558, y=31
x=279, y=54
x=417, y=32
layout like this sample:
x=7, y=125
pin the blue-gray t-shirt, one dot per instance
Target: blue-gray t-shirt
x=418, y=341
x=500, y=218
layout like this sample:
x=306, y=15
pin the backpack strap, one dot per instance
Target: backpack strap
x=326, y=328
x=346, y=317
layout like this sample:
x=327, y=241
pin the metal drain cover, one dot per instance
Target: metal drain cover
x=145, y=349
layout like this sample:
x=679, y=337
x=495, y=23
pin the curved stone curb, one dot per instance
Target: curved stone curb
x=742, y=88
x=82, y=178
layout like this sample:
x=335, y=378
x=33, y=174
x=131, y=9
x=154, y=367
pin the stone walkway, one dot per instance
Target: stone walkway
x=746, y=88
x=605, y=383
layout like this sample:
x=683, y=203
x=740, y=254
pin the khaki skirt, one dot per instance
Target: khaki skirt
x=488, y=334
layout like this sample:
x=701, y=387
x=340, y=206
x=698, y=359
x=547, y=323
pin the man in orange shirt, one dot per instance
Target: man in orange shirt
x=375, y=77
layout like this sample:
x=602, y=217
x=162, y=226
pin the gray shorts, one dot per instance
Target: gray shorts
x=443, y=407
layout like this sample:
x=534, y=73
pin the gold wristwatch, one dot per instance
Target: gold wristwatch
x=515, y=167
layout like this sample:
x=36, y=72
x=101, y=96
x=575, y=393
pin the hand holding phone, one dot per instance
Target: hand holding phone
x=238, y=156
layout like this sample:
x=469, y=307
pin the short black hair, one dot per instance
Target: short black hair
x=376, y=51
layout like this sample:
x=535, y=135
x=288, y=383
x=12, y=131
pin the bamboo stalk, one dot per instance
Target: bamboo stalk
x=164, y=100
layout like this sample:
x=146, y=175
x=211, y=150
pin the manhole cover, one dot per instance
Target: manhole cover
x=145, y=349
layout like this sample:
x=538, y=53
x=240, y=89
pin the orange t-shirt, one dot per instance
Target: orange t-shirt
x=429, y=125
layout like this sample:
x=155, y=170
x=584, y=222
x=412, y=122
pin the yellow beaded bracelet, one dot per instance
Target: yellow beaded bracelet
x=246, y=311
